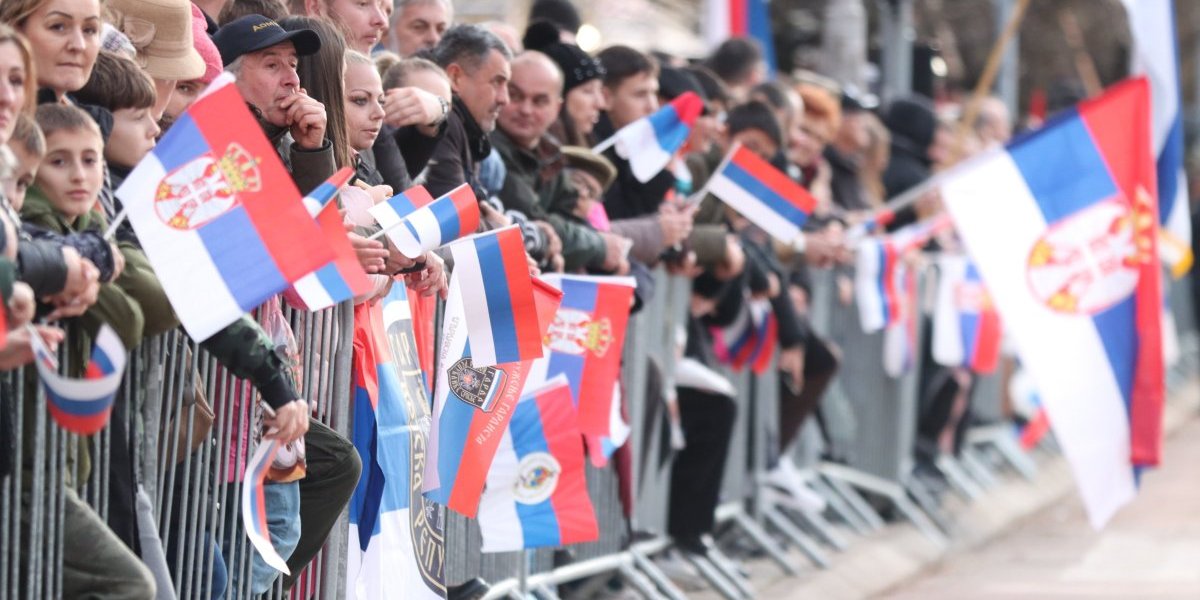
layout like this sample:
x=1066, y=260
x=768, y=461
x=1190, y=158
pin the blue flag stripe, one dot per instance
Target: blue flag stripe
x=500, y=309
x=243, y=261
x=538, y=521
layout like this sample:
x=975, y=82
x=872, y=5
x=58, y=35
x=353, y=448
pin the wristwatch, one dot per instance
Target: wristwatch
x=445, y=112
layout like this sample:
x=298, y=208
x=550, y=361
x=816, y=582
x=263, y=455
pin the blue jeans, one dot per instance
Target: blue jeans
x=283, y=521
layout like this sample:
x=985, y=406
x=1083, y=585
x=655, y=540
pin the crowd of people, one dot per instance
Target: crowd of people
x=405, y=95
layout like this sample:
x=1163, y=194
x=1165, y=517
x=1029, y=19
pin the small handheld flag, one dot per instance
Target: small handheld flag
x=966, y=326
x=343, y=278
x=82, y=405
x=502, y=321
x=536, y=489
x=254, y=505
x=218, y=214
x=761, y=193
x=650, y=142
x=415, y=223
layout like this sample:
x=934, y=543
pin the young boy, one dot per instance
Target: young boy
x=124, y=89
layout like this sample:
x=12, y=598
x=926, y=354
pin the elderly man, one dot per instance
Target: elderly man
x=263, y=57
x=477, y=64
x=419, y=25
x=536, y=183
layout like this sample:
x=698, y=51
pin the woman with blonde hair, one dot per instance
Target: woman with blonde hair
x=64, y=37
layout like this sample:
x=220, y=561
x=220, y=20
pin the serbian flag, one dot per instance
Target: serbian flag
x=218, y=214
x=876, y=284
x=585, y=342
x=900, y=335
x=726, y=19
x=343, y=278
x=537, y=494
x=761, y=193
x=82, y=405
x=393, y=529
x=1156, y=55
x=415, y=223
x=472, y=405
x=1062, y=225
x=650, y=142
x=254, y=505
x=750, y=340
x=966, y=326
x=501, y=318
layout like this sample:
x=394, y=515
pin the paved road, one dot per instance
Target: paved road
x=1150, y=550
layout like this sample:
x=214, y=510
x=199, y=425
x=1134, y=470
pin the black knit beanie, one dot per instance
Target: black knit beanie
x=577, y=66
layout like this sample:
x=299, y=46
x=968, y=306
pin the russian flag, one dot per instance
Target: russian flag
x=254, y=505
x=218, y=215
x=585, y=343
x=726, y=19
x=1062, y=227
x=761, y=193
x=471, y=408
x=1155, y=55
x=650, y=142
x=750, y=339
x=502, y=320
x=416, y=224
x=82, y=405
x=343, y=278
x=966, y=326
x=537, y=493
x=387, y=519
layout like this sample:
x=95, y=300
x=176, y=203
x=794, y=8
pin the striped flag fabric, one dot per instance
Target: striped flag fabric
x=725, y=19
x=966, y=326
x=750, y=340
x=650, y=142
x=537, y=493
x=471, y=407
x=762, y=194
x=416, y=223
x=1156, y=56
x=601, y=448
x=218, y=214
x=501, y=318
x=396, y=545
x=254, y=505
x=876, y=284
x=1062, y=227
x=83, y=405
x=343, y=278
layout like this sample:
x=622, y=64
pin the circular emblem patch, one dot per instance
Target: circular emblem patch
x=1086, y=262
x=537, y=476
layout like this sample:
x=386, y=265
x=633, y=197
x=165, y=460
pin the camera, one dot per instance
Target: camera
x=536, y=243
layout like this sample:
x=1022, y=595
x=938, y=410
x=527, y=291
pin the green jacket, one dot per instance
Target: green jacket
x=8, y=276
x=538, y=186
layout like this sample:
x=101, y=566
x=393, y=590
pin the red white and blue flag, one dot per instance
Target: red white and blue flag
x=415, y=223
x=877, y=284
x=471, y=406
x=83, y=405
x=218, y=214
x=396, y=535
x=585, y=343
x=537, y=493
x=726, y=19
x=343, y=278
x=650, y=142
x=750, y=340
x=966, y=326
x=501, y=317
x=254, y=505
x=1063, y=227
x=761, y=193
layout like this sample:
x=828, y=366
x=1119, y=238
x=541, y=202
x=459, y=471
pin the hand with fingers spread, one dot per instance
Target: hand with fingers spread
x=287, y=423
x=432, y=279
x=306, y=119
x=411, y=106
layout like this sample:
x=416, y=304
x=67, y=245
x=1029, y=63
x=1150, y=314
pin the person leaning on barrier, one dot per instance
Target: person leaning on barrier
x=263, y=57
x=410, y=134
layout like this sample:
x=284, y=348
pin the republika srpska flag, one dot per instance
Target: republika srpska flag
x=1062, y=225
x=218, y=215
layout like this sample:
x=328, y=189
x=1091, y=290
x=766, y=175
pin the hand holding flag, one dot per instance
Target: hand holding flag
x=82, y=405
x=417, y=223
x=342, y=278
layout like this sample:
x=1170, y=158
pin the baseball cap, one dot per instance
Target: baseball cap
x=252, y=33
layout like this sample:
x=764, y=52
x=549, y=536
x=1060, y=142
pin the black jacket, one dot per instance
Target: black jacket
x=628, y=197
x=399, y=154
x=456, y=159
x=913, y=125
x=845, y=185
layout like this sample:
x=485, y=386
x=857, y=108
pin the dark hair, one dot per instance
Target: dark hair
x=397, y=74
x=714, y=90
x=322, y=75
x=774, y=93
x=271, y=9
x=116, y=83
x=734, y=59
x=622, y=62
x=754, y=115
x=561, y=13
x=468, y=46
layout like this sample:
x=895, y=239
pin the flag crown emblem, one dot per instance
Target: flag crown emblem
x=475, y=386
x=204, y=188
x=1089, y=261
x=574, y=332
x=537, y=477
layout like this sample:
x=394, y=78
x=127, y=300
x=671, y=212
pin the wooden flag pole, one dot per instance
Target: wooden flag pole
x=984, y=85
